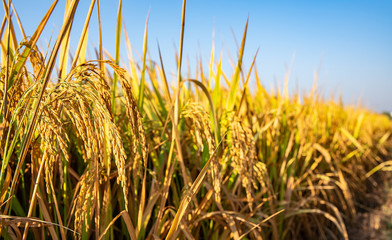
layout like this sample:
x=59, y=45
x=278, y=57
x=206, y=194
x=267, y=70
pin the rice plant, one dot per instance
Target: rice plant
x=95, y=151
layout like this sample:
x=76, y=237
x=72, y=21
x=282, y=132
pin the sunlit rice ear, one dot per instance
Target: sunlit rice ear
x=202, y=127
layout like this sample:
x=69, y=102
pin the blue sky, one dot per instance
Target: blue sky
x=352, y=39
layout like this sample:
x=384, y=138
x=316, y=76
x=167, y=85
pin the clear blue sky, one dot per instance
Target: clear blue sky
x=352, y=38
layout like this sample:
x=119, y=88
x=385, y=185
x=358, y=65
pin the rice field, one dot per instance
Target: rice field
x=92, y=149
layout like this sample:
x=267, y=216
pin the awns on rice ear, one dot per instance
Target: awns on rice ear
x=202, y=127
x=242, y=151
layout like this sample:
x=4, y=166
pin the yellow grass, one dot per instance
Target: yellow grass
x=84, y=157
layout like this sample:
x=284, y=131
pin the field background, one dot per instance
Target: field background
x=104, y=143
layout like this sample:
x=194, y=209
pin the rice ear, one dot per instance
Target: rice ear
x=202, y=125
x=242, y=151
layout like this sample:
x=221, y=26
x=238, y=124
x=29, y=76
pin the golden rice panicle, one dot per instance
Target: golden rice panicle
x=77, y=100
x=136, y=121
x=83, y=202
x=119, y=158
x=53, y=143
x=94, y=120
x=202, y=127
x=91, y=77
x=242, y=150
x=38, y=62
x=260, y=174
x=88, y=111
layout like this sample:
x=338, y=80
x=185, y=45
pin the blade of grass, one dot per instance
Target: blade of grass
x=163, y=74
x=19, y=22
x=379, y=167
x=34, y=194
x=352, y=139
x=110, y=225
x=5, y=186
x=23, y=220
x=65, y=46
x=128, y=223
x=133, y=66
x=246, y=84
x=236, y=77
x=62, y=233
x=188, y=197
x=211, y=61
x=5, y=98
x=101, y=66
x=166, y=184
x=8, y=13
x=176, y=112
x=143, y=73
x=265, y=220
x=83, y=38
x=179, y=62
x=117, y=57
x=2, y=30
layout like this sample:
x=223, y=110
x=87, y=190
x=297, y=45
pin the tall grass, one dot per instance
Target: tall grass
x=103, y=152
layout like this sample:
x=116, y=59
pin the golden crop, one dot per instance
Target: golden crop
x=96, y=151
